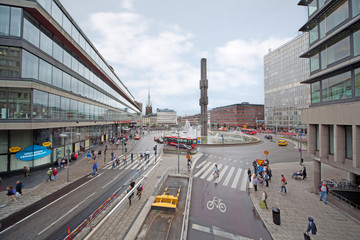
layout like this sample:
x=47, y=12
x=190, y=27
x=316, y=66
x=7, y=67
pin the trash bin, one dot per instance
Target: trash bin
x=276, y=215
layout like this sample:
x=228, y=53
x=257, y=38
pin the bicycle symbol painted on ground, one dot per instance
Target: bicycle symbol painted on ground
x=216, y=202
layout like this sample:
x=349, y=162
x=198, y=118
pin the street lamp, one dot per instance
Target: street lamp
x=65, y=136
x=178, y=133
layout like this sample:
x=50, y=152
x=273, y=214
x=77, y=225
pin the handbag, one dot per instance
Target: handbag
x=306, y=236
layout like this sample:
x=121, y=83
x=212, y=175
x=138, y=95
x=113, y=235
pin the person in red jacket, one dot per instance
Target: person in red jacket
x=55, y=173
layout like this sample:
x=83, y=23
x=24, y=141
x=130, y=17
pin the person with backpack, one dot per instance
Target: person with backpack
x=55, y=172
x=139, y=191
x=311, y=229
x=49, y=173
x=11, y=195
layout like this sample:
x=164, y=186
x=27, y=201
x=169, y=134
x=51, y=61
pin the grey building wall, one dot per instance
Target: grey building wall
x=284, y=95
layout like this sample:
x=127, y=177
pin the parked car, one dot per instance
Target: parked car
x=160, y=140
x=282, y=143
x=184, y=146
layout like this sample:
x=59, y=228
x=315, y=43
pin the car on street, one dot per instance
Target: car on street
x=282, y=143
x=184, y=146
x=137, y=136
x=160, y=140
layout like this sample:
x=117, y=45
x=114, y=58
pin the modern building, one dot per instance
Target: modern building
x=148, y=109
x=166, y=117
x=237, y=115
x=333, y=118
x=194, y=120
x=285, y=97
x=56, y=90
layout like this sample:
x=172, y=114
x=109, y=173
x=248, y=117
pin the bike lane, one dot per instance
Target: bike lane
x=238, y=220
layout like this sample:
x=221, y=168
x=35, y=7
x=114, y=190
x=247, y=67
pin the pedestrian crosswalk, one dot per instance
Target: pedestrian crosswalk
x=134, y=165
x=229, y=176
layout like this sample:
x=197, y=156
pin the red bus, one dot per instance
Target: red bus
x=249, y=131
x=173, y=140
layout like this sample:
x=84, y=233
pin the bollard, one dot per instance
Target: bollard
x=276, y=215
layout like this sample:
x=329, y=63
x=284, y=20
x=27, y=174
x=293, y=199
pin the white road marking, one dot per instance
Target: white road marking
x=203, y=169
x=227, y=179
x=243, y=182
x=111, y=181
x=218, y=232
x=236, y=179
x=222, y=174
x=211, y=175
x=201, y=164
x=207, y=172
x=131, y=164
x=65, y=215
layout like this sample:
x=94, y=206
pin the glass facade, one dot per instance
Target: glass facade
x=49, y=83
x=284, y=95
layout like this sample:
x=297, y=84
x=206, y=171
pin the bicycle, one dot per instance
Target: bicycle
x=216, y=202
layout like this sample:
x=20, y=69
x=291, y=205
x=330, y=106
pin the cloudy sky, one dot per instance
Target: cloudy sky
x=158, y=45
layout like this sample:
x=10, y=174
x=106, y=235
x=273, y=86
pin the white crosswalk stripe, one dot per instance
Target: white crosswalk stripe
x=203, y=169
x=237, y=176
x=227, y=179
x=236, y=179
x=212, y=175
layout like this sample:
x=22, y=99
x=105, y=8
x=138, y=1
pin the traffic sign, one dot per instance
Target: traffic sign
x=260, y=162
x=266, y=152
x=260, y=168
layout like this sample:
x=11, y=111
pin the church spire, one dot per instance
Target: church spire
x=148, y=109
x=148, y=102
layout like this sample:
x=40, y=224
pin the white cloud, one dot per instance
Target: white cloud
x=151, y=55
x=127, y=4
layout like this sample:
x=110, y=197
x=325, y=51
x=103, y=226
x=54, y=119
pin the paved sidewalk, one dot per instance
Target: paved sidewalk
x=35, y=187
x=299, y=203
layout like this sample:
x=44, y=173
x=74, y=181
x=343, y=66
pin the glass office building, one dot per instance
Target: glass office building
x=56, y=90
x=334, y=115
x=285, y=97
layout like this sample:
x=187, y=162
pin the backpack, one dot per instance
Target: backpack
x=139, y=188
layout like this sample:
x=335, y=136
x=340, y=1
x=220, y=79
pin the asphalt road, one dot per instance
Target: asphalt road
x=50, y=217
x=221, y=207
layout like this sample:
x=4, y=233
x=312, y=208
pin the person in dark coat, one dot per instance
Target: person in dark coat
x=311, y=229
x=304, y=173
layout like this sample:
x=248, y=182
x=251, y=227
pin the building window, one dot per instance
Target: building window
x=357, y=82
x=356, y=42
x=312, y=7
x=19, y=104
x=4, y=20
x=337, y=87
x=348, y=142
x=10, y=21
x=337, y=16
x=15, y=24
x=31, y=33
x=315, y=92
x=355, y=7
x=46, y=4
x=317, y=137
x=9, y=62
x=46, y=43
x=314, y=62
x=331, y=139
x=54, y=107
x=65, y=108
x=313, y=34
x=45, y=72
x=339, y=50
x=3, y=103
x=40, y=107
x=57, y=77
x=30, y=65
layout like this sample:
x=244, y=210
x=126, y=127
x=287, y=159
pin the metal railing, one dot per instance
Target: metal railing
x=169, y=171
x=341, y=198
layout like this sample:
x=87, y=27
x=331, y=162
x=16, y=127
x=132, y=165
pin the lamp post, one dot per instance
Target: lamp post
x=178, y=152
x=65, y=136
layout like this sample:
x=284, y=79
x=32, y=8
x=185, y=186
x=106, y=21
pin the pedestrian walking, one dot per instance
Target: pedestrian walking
x=11, y=195
x=323, y=191
x=49, y=173
x=139, y=191
x=216, y=171
x=113, y=165
x=26, y=171
x=55, y=172
x=19, y=187
x=269, y=173
x=249, y=174
x=266, y=177
x=125, y=159
x=304, y=173
x=132, y=157
x=59, y=162
x=282, y=184
x=112, y=155
x=94, y=168
x=264, y=198
x=131, y=186
x=311, y=229
x=106, y=148
x=255, y=182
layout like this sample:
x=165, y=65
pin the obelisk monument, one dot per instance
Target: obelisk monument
x=203, y=98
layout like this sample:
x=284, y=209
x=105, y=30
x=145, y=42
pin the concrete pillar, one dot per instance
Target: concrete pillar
x=352, y=177
x=356, y=146
x=203, y=98
x=317, y=175
x=339, y=143
x=311, y=139
x=324, y=142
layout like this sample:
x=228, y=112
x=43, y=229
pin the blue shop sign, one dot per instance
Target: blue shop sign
x=32, y=152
